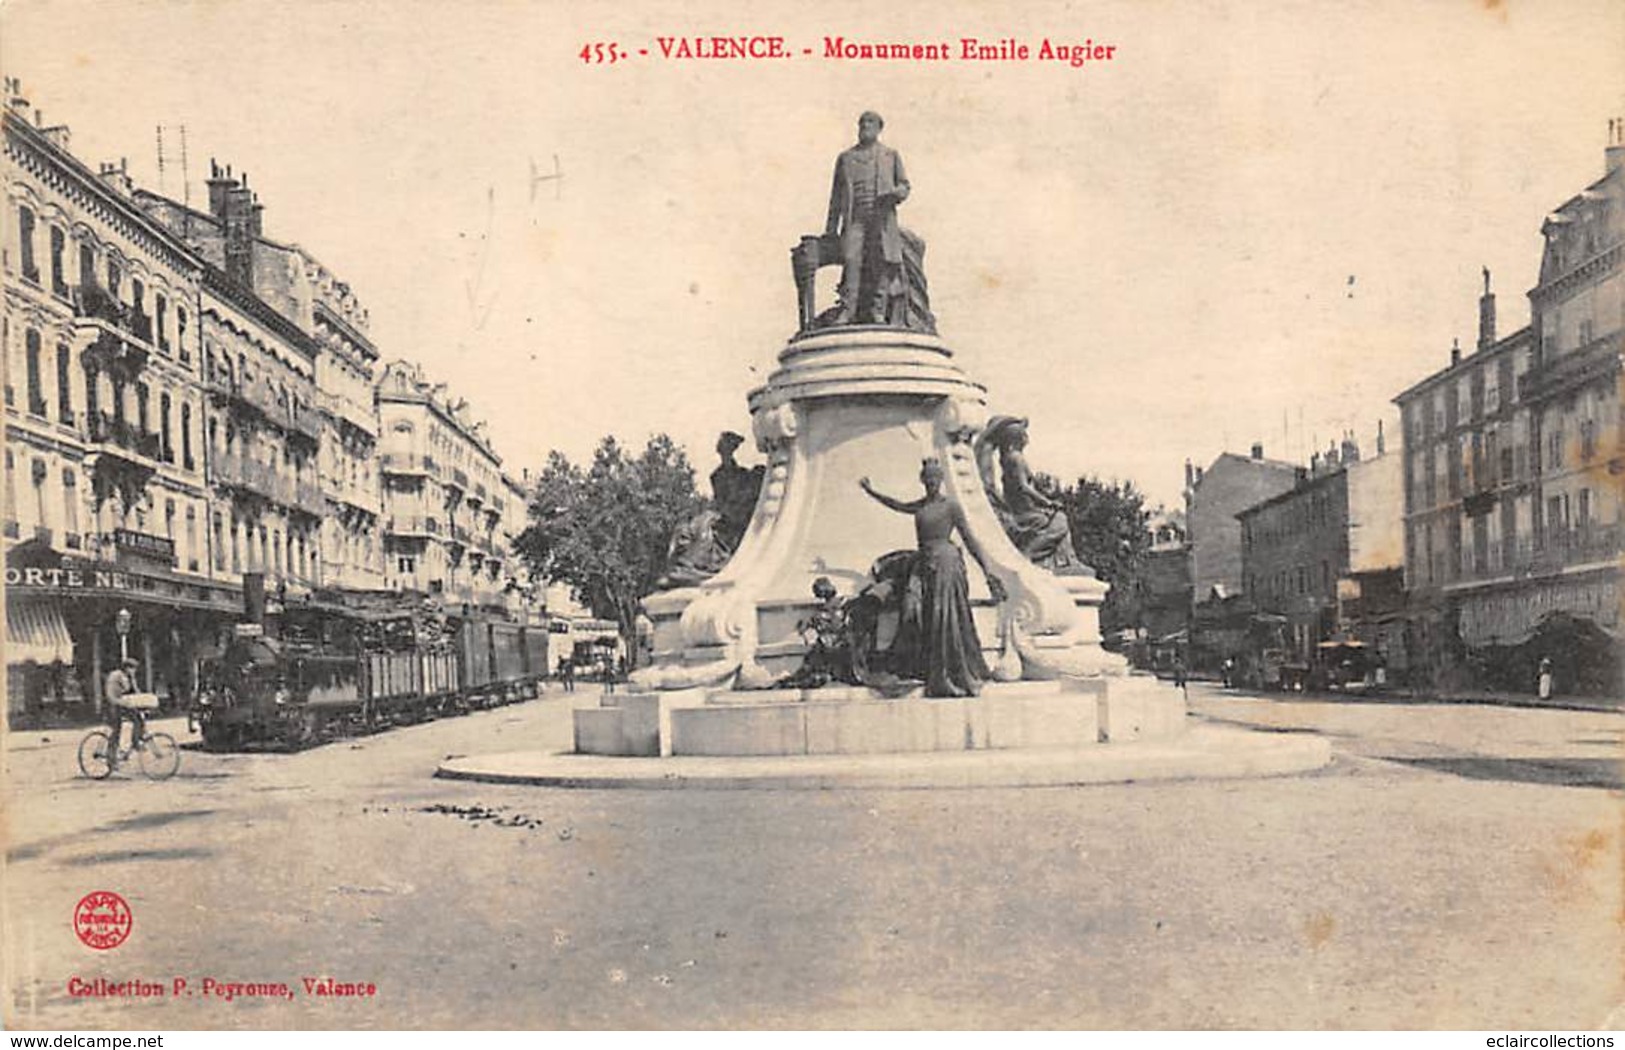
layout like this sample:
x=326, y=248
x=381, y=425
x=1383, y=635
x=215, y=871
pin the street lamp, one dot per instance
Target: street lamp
x=121, y=623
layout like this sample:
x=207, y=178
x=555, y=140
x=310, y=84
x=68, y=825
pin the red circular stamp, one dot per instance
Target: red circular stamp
x=102, y=920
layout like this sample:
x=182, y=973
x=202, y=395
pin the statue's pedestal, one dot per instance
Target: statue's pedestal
x=846, y=404
x=857, y=721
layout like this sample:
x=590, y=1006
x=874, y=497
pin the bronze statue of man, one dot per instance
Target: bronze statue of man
x=869, y=184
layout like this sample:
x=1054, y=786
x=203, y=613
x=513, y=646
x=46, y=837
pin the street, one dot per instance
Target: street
x=1455, y=867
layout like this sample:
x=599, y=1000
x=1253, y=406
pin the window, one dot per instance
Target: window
x=36, y=474
x=180, y=333
x=70, y=509
x=191, y=538
x=160, y=313
x=36, y=389
x=87, y=266
x=406, y=565
x=1583, y=509
x=219, y=543
x=1588, y=439
x=143, y=413
x=25, y=235
x=165, y=442
x=1554, y=450
x=59, y=276
x=64, y=384
x=186, y=437
x=169, y=519
x=11, y=495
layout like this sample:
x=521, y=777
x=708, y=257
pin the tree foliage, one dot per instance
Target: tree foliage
x=605, y=530
x=1108, y=520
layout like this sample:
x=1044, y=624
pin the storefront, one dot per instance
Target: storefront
x=69, y=620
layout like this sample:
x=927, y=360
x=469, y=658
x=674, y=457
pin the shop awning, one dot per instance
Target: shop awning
x=36, y=633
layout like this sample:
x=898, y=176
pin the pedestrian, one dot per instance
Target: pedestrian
x=567, y=674
x=1179, y=674
x=1544, y=681
x=121, y=683
x=1229, y=672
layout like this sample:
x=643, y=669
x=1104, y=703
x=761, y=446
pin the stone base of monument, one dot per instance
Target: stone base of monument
x=852, y=720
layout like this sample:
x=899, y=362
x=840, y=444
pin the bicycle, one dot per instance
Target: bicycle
x=157, y=754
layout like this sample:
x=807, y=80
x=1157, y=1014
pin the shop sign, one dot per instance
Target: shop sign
x=67, y=579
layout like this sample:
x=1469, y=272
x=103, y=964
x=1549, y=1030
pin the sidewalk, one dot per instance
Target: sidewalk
x=1396, y=695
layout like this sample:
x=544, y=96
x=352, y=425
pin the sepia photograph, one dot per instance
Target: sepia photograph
x=601, y=516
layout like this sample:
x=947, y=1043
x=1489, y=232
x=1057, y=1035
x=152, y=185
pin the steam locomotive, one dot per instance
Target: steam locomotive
x=314, y=671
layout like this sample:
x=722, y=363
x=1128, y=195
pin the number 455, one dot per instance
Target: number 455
x=600, y=53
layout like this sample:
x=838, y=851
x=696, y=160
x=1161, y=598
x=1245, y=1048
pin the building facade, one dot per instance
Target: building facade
x=106, y=497
x=1513, y=472
x=293, y=290
x=444, y=493
x=1220, y=611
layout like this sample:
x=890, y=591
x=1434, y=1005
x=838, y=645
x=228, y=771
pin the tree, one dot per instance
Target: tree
x=605, y=530
x=1108, y=522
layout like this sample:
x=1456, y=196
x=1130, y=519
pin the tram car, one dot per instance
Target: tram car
x=325, y=671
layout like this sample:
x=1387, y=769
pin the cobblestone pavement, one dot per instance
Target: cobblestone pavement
x=1455, y=867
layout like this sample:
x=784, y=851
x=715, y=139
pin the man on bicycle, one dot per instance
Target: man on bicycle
x=121, y=683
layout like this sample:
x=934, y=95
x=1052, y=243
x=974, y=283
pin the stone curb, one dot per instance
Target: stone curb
x=1204, y=752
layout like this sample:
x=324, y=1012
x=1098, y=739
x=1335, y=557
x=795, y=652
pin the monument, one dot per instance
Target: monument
x=844, y=618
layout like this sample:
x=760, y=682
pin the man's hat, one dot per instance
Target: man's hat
x=729, y=441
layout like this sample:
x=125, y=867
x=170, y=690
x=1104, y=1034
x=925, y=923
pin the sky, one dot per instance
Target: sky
x=1257, y=222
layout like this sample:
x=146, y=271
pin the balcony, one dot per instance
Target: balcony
x=309, y=499
x=127, y=544
x=412, y=525
x=1561, y=372
x=120, y=437
x=458, y=480
x=262, y=399
x=267, y=482
x=1579, y=546
x=119, y=337
x=358, y=415
x=407, y=463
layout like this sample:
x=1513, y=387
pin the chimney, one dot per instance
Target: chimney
x=1486, y=314
x=219, y=184
x=234, y=204
x=1455, y=352
x=1190, y=474
x=58, y=134
x=1258, y=450
x=117, y=176
x=1382, y=445
x=1351, y=449
x=1614, y=155
x=1314, y=465
x=15, y=99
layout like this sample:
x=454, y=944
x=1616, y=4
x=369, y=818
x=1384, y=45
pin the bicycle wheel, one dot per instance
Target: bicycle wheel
x=94, y=760
x=160, y=756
